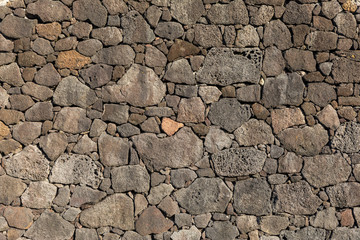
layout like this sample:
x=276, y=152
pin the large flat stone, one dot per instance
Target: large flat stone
x=10, y=189
x=16, y=27
x=234, y=12
x=114, y=151
x=187, y=11
x=116, y=55
x=50, y=11
x=347, y=138
x=130, y=178
x=344, y=195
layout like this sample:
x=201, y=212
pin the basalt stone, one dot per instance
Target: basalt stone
x=50, y=225
x=307, y=141
x=229, y=114
x=5, y=44
x=191, y=110
x=6, y=58
x=9, y=146
x=49, y=11
x=116, y=210
x=234, y=12
x=182, y=49
x=285, y=89
x=53, y=145
x=136, y=29
x=50, y=31
x=18, y=217
x=321, y=93
x=109, y=36
x=72, y=120
x=285, y=118
x=343, y=233
x=252, y=196
x=328, y=117
x=298, y=13
x=222, y=230
x=130, y=178
x=72, y=60
x=307, y=233
x=66, y=44
x=204, y=195
x=81, y=29
x=11, y=116
x=295, y=198
x=216, y=140
x=180, y=150
x=330, y=9
x=235, y=162
x=207, y=35
x=16, y=27
x=47, y=76
x=11, y=74
x=116, y=55
x=321, y=41
x=263, y=15
x=27, y=132
x=192, y=234
x=76, y=169
x=115, y=6
x=115, y=113
x=324, y=170
x=92, y=10
x=187, y=11
x=169, y=30
x=347, y=138
x=40, y=111
x=300, y=60
x=85, y=146
x=268, y=2
x=10, y=189
x=254, y=132
x=113, y=151
x=154, y=57
x=276, y=33
x=225, y=66
x=180, y=177
x=90, y=47
x=152, y=221
x=346, y=24
x=325, y=219
x=345, y=70
x=39, y=195
x=85, y=195
x=29, y=164
x=21, y=102
x=180, y=71
x=344, y=195
x=247, y=37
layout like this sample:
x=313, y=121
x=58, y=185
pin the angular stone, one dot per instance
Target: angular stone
x=191, y=110
x=347, y=138
x=115, y=7
x=295, y=198
x=72, y=60
x=285, y=118
x=47, y=76
x=81, y=29
x=27, y=132
x=274, y=224
x=130, y=178
x=20, y=102
x=191, y=234
x=159, y=192
x=152, y=221
x=53, y=144
x=170, y=127
x=180, y=72
x=321, y=41
x=268, y=2
x=346, y=24
x=232, y=13
x=330, y=9
x=204, y=195
x=307, y=233
x=116, y=210
x=209, y=94
x=50, y=31
x=254, y=132
x=11, y=74
x=298, y=13
x=10, y=117
x=10, y=189
x=276, y=33
x=285, y=89
x=290, y=163
x=85, y=195
x=50, y=226
x=40, y=111
x=247, y=37
x=324, y=170
x=28, y=164
x=18, y=217
x=29, y=59
x=16, y=27
x=325, y=219
x=66, y=44
x=262, y=16
x=113, y=151
x=128, y=130
x=252, y=196
x=274, y=62
x=250, y=93
x=344, y=195
x=345, y=70
x=90, y=47
x=92, y=10
x=216, y=140
x=226, y=66
x=182, y=49
x=49, y=11
x=4, y=98
x=229, y=114
x=154, y=57
x=307, y=141
x=328, y=117
x=115, y=113
x=76, y=169
x=72, y=120
x=4, y=131
x=6, y=58
x=180, y=177
x=88, y=234
x=300, y=60
x=37, y=91
x=116, y=55
x=169, y=30
x=180, y=150
x=188, y=11
x=85, y=146
x=222, y=230
x=5, y=44
x=136, y=29
x=39, y=195
x=109, y=36
x=207, y=35
x=235, y=162
x=9, y=146
x=342, y=233
x=321, y=93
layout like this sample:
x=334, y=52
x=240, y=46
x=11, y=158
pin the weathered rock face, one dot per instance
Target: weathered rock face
x=130, y=178
x=235, y=162
x=11, y=75
x=346, y=138
x=113, y=151
x=252, y=197
x=344, y=194
x=306, y=233
x=50, y=11
x=39, y=195
x=91, y=10
x=72, y=120
x=276, y=33
x=180, y=150
x=254, y=132
x=15, y=27
x=204, y=195
x=116, y=55
x=285, y=118
x=345, y=70
x=116, y=210
x=225, y=66
x=187, y=12
x=136, y=29
x=97, y=75
x=152, y=221
x=232, y=13
x=307, y=141
x=321, y=41
x=222, y=230
x=295, y=198
x=10, y=188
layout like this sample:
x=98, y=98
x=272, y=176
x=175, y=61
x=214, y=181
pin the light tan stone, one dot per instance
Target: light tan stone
x=49, y=31
x=170, y=127
x=285, y=118
x=4, y=131
x=71, y=59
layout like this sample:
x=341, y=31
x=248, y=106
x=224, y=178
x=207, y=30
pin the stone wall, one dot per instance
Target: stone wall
x=179, y=119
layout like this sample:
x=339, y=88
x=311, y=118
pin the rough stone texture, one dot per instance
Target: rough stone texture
x=232, y=13
x=53, y=145
x=19, y=217
x=116, y=55
x=85, y=195
x=109, y=36
x=345, y=233
x=116, y=210
x=39, y=195
x=152, y=221
x=273, y=224
x=72, y=120
x=130, y=178
x=238, y=161
x=136, y=29
x=76, y=169
x=72, y=59
x=325, y=219
x=191, y=110
x=307, y=141
x=345, y=70
x=115, y=113
x=298, y=13
x=344, y=194
x=276, y=33
x=328, y=117
x=346, y=24
x=188, y=11
x=254, y=132
x=11, y=75
x=274, y=63
x=47, y=76
x=321, y=41
x=295, y=198
x=92, y=10
x=306, y=233
x=27, y=132
x=97, y=75
x=50, y=225
x=11, y=188
x=300, y=60
x=204, y=195
x=16, y=27
x=216, y=140
x=321, y=93
x=222, y=230
x=180, y=150
x=113, y=151
x=180, y=72
x=285, y=118
x=49, y=11
x=346, y=138
x=252, y=197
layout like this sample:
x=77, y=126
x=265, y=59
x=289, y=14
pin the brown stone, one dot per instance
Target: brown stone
x=4, y=131
x=19, y=217
x=29, y=59
x=49, y=31
x=182, y=49
x=191, y=110
x=170, y=127
x=349, y=101
x=350, y=6
x=347, y=219
x=152, y=221
x=72, y=59
x=329, y=117
x=9, y=146
x=11, y=116
x=287, y=117
x=260, y=111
